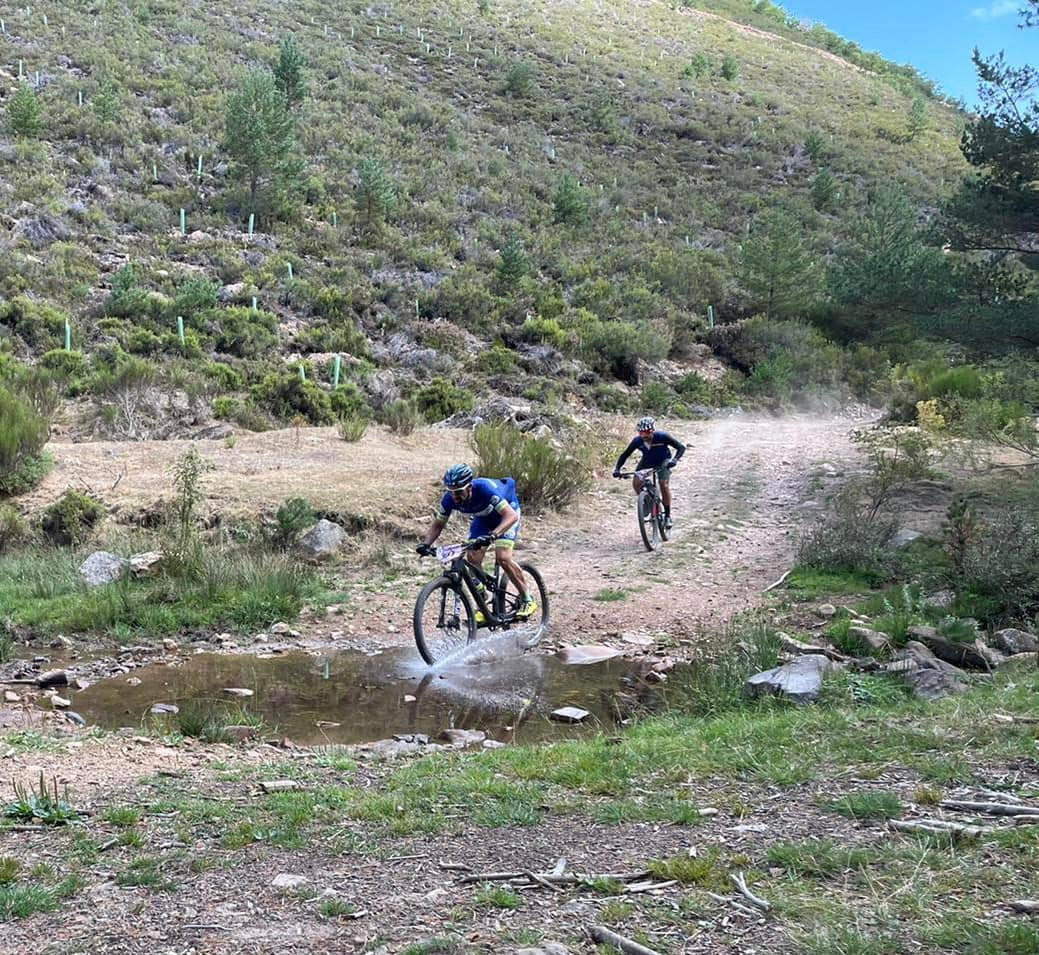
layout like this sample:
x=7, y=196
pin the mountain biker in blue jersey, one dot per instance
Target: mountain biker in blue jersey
x=495, y=510
x=654, y=447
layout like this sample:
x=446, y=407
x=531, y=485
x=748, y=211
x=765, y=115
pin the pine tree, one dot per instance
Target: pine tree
x=107, y=110
x=569, y=202
x=917, y=119
x=777, y=268
x=824, y=190
x=288, y=74
x=376, y=193
x=24, y=115
x=514, y=263
x=259, y=134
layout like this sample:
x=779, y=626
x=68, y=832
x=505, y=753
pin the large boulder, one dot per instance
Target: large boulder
x=323, y=541
x=102, y=568
x=1013, y=641
x=800, y=680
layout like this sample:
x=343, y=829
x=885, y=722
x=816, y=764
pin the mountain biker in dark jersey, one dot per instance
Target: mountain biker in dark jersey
x=654, y=447
x=495, y=510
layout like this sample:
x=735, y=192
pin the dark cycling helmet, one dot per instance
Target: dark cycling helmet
x=646, y=424
x=458, y=476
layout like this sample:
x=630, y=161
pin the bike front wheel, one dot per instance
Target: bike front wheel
x=507, y=601
x=649, y=526
x=444, y=620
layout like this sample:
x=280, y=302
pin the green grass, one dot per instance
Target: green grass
x=336, y=908
x=868, y=805
x=491, y=896
x=123, y=816
x=806, y=583
x=610, y=594
x=819, y=858
x=42, y=590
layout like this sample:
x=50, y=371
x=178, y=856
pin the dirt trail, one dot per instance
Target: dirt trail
x=743, y=490
x=747, y=483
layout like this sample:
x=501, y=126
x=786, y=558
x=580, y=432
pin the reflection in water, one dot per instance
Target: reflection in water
x=369, y=696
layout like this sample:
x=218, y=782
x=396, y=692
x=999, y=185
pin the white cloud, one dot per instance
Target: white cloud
x=998, y=8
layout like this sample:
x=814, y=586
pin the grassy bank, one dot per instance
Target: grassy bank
x=812, y=787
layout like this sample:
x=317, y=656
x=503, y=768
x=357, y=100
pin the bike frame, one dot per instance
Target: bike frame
x=463, y=572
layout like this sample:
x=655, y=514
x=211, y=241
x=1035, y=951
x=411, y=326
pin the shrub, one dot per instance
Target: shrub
x=545, y=331
x=546, y=477
x=519, y=79
x=730, y=67
x=40, y=326
x=440, y=399
x=292, y=519
x=223, y=375
x=851, y=540
x=226, y=407
x=22, y=436
x=12, y=527
x=616, y=348
x=68, y=367
x=71, y=518
x=286, y=395
x=352, y=427
x=657, y=397
x=245, y=332
x=613, y=399
x=994, y=558
x=699, y=65
x=401, y=416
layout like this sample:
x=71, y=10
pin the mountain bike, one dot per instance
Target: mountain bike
x=650, y=508
x=445, y=611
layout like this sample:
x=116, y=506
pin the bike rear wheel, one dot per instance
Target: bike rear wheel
x=507, y=600
x=649, y=527
x=444, y=620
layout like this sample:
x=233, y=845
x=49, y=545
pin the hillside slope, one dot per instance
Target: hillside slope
x=678, y=126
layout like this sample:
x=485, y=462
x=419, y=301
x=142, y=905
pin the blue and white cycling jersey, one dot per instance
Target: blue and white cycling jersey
x=486, y=501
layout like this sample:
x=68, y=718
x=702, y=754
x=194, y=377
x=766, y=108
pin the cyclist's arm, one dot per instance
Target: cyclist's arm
x=508, y=515
x=439, y=523
x=625, y=454
x=676, y=444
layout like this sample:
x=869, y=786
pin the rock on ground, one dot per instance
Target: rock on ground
x=323, y=541
x=1015, y=641
x=102, y=568
x=800, y=680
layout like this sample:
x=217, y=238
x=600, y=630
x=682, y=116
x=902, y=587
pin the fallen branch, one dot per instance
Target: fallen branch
x=576, y=878
x=940, y=826
x=543, y=880
x=739, y=906
x=778, y=582
x=635, y=887
x=1025, y=906
x=600, y=933
x=456, y=867
x=992, y=808
x=753, y=899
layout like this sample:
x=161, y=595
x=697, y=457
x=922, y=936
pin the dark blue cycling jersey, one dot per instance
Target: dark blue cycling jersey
x=488, y=495
x=654, y=452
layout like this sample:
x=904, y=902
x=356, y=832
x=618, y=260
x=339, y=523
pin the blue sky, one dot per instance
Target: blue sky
x=935, y=36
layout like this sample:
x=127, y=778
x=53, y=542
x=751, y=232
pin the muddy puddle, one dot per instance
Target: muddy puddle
x=341, y=697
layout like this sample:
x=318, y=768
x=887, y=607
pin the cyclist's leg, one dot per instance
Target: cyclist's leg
x=664, y=480
x=477, y=529
x=637, y=484
x=503, y=554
